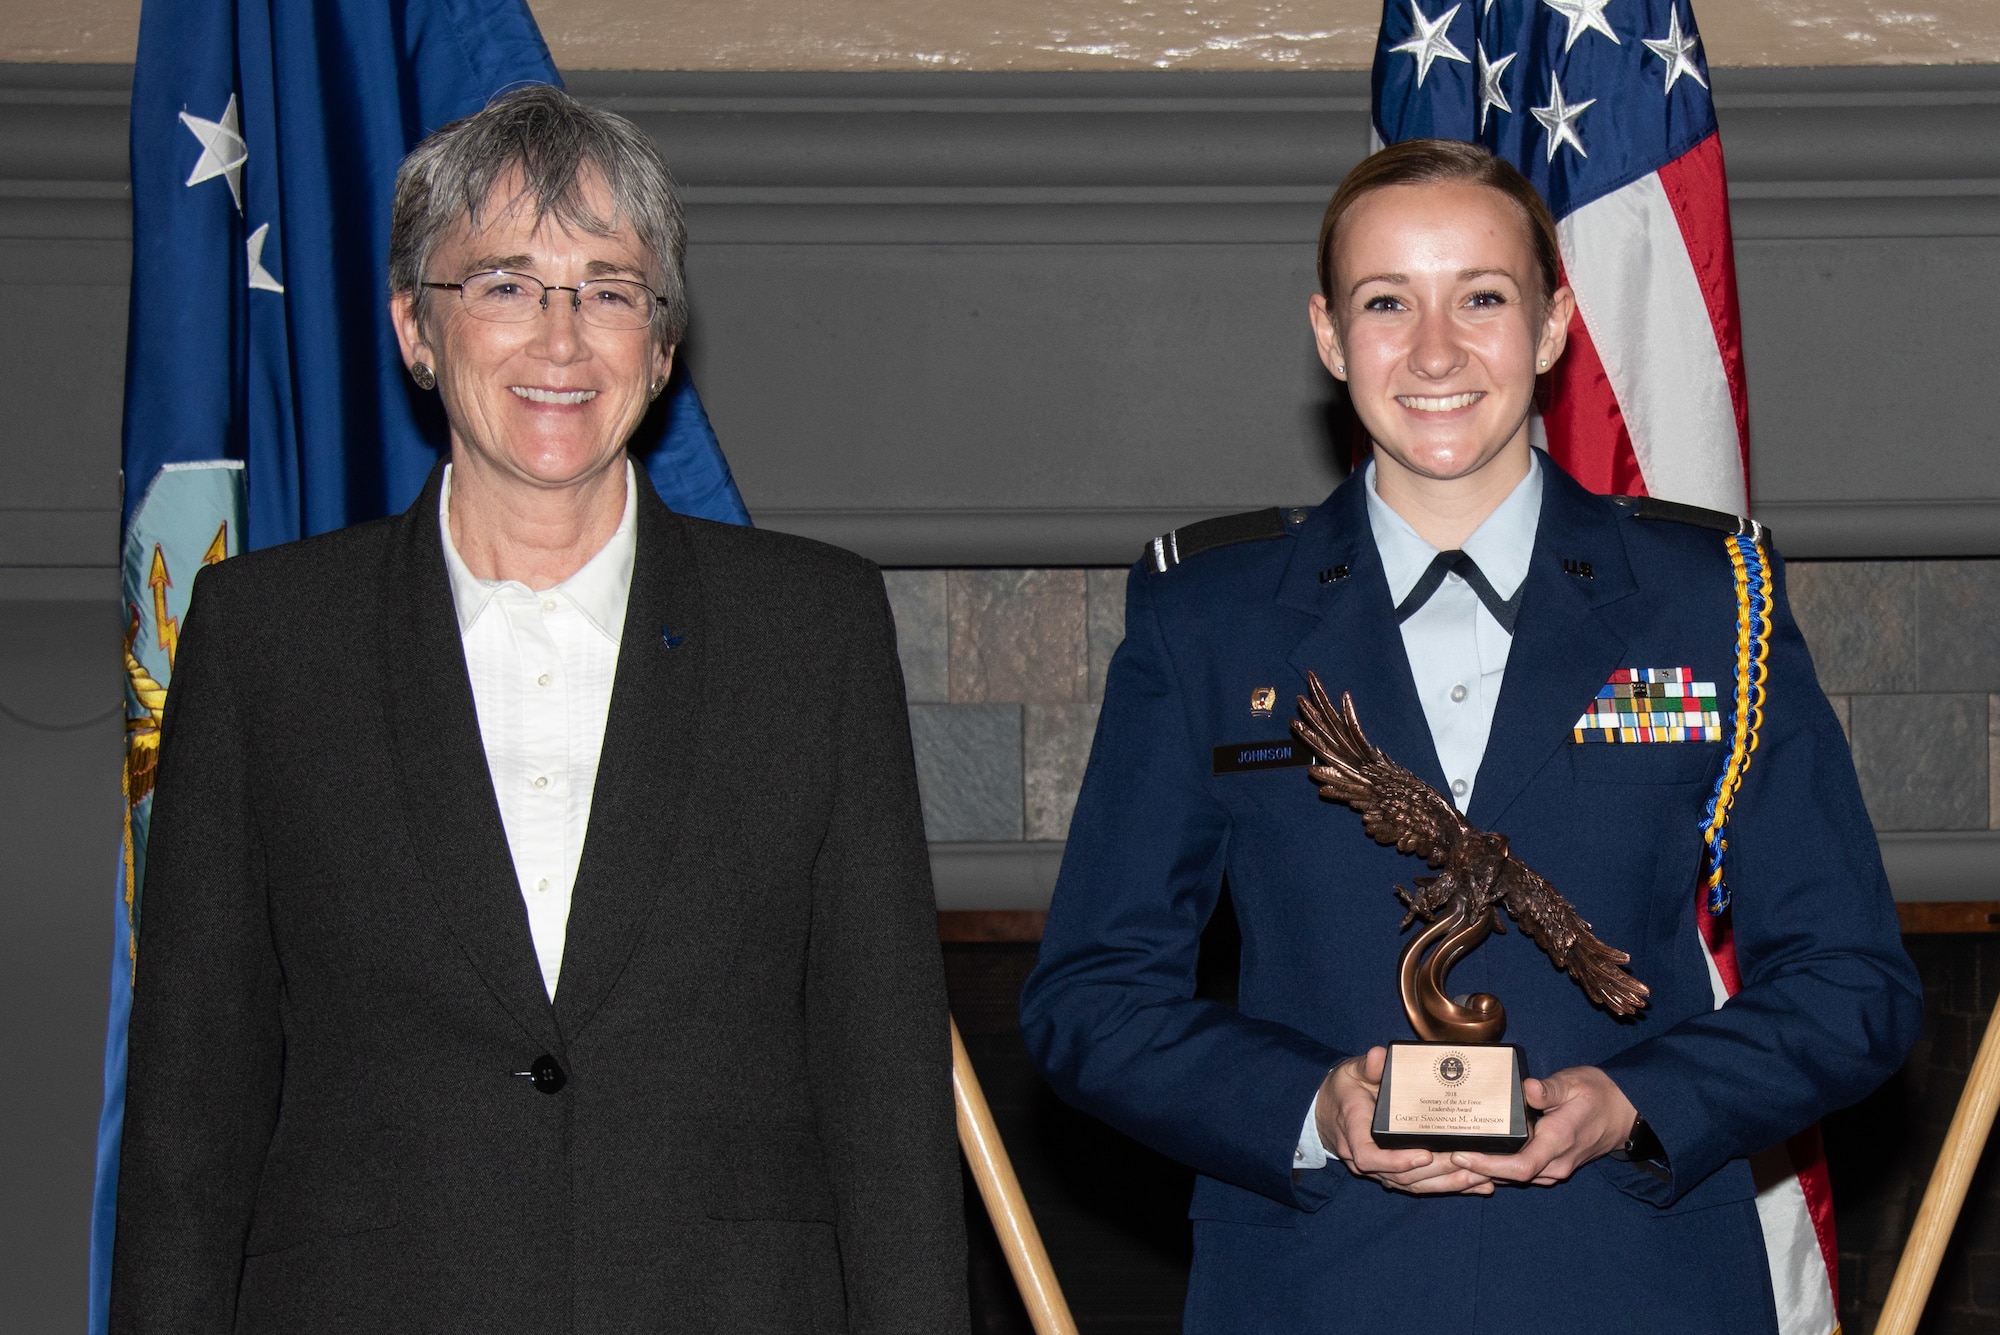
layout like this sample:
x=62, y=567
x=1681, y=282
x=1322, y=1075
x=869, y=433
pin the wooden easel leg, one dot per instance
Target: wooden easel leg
x=1005, y=1205
x=1957, y=1161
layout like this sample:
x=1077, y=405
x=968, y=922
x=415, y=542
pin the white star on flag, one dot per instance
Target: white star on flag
x=1430, y=43
x=1675, y=49
x=1490, y=92
x=1584, y=16
x=1559, y=119
x=223, y=151
x=260, y=277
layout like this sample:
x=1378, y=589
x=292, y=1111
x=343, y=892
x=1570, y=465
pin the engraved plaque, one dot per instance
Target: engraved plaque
x=1452, y=1096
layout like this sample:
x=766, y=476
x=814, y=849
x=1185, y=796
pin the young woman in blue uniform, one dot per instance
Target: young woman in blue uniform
x=1633, y=1206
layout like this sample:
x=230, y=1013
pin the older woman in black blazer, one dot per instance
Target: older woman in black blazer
x=538, y=927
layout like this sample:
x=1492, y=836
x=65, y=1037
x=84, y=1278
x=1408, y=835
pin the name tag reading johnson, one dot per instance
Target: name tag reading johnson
x=1460, y=1088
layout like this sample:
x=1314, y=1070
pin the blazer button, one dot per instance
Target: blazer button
x=546, y=1075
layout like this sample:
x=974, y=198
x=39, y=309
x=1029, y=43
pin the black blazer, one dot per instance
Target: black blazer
x=324, y=1128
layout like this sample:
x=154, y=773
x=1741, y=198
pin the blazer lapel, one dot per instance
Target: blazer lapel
x=638, y=809
x=1356, y=645
x=1564, y=648
x=440, y=769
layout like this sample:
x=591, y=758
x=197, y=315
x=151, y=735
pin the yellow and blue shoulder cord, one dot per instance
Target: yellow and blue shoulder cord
x=1753, y=642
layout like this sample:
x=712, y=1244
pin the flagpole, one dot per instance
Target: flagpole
x=1005, y=1205
x=1956, y=1162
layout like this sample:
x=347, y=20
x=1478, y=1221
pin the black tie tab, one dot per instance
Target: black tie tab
x=1504, y=610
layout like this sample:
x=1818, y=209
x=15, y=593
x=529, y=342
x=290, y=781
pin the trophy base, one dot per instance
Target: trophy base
x=1452, y=1096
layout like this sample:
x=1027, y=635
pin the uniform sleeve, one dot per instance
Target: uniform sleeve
x=877, y=1025
x=206, y=1047
x=1109, y=1013
x=1830, y=1002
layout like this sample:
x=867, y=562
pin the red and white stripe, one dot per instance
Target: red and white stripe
x=1794, y=1192
x=1650, y=397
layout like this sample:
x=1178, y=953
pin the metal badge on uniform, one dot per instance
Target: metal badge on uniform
x=1263, y=700
x=1652, y=705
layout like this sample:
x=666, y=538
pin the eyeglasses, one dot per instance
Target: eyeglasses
x=514, y=298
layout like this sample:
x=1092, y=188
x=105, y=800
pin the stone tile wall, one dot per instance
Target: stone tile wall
x=1909, y=652
x=1005, y=669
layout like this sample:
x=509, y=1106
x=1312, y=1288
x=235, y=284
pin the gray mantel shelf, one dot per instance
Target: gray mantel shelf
x=1034, y=319
x=1952, y=866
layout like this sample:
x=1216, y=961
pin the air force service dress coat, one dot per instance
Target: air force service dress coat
x=1829, y=1004
x=352, y=1106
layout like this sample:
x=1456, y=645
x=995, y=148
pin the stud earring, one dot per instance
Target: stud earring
x=657, y=388
x=1543, y=363
x=423, y=375
x=1340, y=368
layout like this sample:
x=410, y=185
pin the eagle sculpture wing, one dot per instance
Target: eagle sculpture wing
x=1553, y=923
x=1396, y=806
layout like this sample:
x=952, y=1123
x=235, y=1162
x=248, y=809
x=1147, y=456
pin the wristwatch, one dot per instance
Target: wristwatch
x=1643, y=1145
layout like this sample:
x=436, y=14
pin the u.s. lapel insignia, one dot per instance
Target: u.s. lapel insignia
x=1262, y=701
x=671, y=640
x=1652, y=705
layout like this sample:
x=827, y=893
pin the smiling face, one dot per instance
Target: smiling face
x=1439, y=327
x=548, y=403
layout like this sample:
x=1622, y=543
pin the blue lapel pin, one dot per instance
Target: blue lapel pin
x=671, y=640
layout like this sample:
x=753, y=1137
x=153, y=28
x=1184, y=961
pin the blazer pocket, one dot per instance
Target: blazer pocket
x=1228, y=1204
x=326, y=1181
x=1645, y=762
x=760, y=1172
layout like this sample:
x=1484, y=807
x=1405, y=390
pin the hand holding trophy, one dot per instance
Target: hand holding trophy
x=1460, y=1087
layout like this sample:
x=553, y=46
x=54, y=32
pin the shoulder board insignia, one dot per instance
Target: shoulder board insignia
x=1177, y=545
x=1652, y=507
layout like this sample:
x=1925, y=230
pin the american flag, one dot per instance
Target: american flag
x=1605, y=106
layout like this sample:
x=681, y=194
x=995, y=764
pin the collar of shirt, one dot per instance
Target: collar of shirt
x=598, y=590
x=1502, y=544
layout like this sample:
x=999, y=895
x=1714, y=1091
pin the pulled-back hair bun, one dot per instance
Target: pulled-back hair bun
x=1436, y=162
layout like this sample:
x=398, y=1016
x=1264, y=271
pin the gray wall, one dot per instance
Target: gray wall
x=971, y=320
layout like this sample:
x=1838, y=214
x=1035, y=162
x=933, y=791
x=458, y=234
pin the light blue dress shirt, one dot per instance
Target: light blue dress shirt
x=1457, y=651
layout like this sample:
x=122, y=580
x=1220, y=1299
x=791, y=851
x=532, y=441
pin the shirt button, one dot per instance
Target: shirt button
x=1458, y=787
x=1453, y=578
x=1457, y=692
x=548, y=604
x=542, y=884
x=541, y=781
x=545, y=678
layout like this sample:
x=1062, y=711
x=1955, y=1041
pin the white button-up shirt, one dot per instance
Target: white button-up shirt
x=1457, y=651
x=542, y=666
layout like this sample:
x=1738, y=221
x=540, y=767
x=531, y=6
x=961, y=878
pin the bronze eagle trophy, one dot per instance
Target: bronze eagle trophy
x=1460, y=905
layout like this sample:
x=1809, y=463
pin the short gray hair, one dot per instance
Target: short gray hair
x=550, y=137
